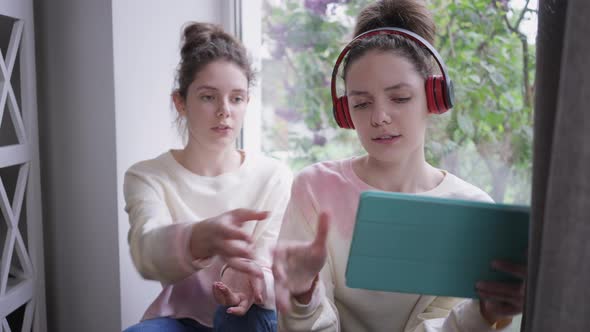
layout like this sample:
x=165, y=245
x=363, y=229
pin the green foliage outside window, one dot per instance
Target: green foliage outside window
x=486, y=139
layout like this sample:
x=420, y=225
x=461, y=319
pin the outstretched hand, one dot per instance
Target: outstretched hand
x=297, y=264
x=223, y=236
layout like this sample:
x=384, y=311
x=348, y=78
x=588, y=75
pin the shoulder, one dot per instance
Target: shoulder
x=144, y=178
x=321, y=172
x=322, y=177
x=456, y=187
x=150, y=167
x=149, y=174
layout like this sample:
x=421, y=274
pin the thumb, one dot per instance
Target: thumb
x=322, y=231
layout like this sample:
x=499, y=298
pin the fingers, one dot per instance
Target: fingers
x=241, y=309
x=322, y=231
x=218, y=295
x=235, y=249
x=257, y=285
x=223, y=295
x=517, y=270
x=515, y=302
x=500, y=309
x=235, y=233
x=507, y=290
x=504, y=298
x=246, y=266
x=228, y=239
x=240, y=216
x=238, y=302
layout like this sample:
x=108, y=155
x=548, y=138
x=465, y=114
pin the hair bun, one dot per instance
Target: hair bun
x=203, y=43
x=198, y=34
x=411, y=15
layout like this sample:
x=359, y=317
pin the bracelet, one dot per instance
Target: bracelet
x=223, y=268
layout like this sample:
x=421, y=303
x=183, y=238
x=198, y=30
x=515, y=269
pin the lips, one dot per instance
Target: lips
x=221, y=127
x=388, y=137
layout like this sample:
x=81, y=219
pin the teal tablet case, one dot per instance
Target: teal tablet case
x=435, y=246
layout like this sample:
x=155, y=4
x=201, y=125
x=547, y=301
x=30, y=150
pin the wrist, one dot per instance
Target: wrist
x=199, y=246
x=305, y=297
x=495, y=322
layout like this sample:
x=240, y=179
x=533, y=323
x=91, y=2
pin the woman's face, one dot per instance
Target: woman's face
x=387, y=103
x=215, y=105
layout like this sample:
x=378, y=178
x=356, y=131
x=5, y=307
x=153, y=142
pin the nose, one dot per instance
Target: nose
x=223, y=110
x=380, y=115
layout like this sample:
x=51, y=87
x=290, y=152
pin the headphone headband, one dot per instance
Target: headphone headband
x=405, y=33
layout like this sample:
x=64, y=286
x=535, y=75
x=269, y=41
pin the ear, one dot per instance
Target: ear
x=179, y=103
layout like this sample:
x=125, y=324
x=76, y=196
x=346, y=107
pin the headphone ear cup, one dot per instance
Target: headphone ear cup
x=429, y=89
x=436, y=94
x=346, y=112
x=341, y=113
x=337, y=110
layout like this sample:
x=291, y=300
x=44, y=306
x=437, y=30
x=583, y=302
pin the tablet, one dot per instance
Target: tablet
x=433, y=246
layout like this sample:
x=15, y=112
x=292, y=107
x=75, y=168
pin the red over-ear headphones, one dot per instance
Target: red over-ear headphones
x=439, y=89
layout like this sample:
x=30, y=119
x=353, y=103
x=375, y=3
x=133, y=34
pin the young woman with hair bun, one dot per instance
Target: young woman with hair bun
x=204, y=218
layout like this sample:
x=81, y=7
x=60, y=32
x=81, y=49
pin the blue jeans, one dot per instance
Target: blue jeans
x=256, y=319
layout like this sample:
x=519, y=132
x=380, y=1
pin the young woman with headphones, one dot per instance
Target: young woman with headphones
x=391, y=92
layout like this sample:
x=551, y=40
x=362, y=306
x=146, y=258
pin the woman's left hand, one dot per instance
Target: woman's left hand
x=502, y=300
x=238, y=291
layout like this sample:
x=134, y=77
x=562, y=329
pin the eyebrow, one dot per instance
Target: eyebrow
x=389, y=88
x=208, y=87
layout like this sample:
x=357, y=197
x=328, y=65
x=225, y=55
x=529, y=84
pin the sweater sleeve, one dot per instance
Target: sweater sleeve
x=320, y=314
x=266, y=233
x=159, y=246
x=445, y=314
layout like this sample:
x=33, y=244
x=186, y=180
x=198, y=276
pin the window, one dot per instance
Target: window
x=489, y=50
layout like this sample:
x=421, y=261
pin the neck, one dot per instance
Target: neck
x=209, y=162
x=411, y=175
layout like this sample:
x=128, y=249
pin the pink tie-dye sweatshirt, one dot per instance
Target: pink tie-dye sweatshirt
x=333, y=187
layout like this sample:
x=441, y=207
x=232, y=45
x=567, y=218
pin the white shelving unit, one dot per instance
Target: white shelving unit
x=22, y=292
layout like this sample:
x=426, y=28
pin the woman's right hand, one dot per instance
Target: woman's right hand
x=223, y=236
x=238, y=291
x=296, y=266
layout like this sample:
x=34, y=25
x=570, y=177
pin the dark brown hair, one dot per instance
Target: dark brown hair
x=410, y=15
x=203, y=43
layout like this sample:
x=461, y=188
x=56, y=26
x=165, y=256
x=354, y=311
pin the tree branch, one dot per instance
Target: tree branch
x=525, y=71
x=526, y=92
x=524, y=10
x=520, y=18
